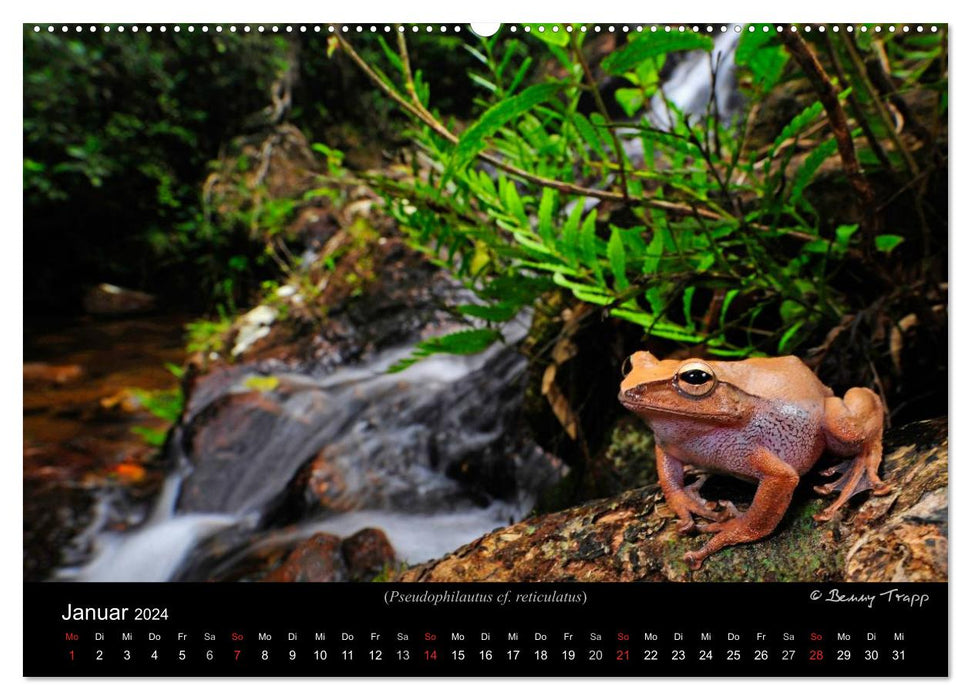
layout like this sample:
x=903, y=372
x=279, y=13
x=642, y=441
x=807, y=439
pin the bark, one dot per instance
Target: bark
x=632, y=536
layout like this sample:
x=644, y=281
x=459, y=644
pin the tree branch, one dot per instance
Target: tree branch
x=424, y=116
x=826, y=91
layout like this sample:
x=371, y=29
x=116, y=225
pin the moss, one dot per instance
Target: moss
x=799, y=550
x=262, y=384
x=630, y=453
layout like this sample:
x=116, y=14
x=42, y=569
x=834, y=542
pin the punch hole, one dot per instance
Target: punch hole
x=487, y=28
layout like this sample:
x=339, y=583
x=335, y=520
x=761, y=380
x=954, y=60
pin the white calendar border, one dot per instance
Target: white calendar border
x=11, y=278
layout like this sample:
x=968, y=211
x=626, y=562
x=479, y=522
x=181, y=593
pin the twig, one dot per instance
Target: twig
x=857, y=107
x=566, y=187
x=598, y=98
x=881, y=108
x=823, y=86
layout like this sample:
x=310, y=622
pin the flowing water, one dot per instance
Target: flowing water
x=393, y=439
x=435, y=456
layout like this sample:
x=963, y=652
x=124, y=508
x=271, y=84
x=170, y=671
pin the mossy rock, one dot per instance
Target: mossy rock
x=633, y=537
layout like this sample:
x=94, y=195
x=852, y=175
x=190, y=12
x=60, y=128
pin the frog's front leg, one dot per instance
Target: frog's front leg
x=683, y=501
x=854, y=428
x=777, y=482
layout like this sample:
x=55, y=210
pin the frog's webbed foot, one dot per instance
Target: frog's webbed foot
x=726, y=516
x=716, y=511
x=854, y=477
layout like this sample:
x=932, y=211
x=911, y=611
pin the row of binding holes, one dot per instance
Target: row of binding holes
x=512, y=28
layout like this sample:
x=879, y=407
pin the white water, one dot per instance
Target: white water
x=690, y=86
x=156, y=550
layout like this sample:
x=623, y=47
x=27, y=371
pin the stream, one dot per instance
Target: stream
x=270, y=452
x=394, y=444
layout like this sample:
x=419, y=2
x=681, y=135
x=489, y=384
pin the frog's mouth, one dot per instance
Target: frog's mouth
x=633, y=400
x=654, y=408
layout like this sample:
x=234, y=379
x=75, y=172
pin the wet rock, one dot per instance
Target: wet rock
x=111, y=300
x=55, y=515
x=368, y=553
x=632, y=537
x=236, y=468
x=317, y=560
x=443, y=435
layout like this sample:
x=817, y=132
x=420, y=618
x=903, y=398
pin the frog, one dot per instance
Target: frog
x=765, y=420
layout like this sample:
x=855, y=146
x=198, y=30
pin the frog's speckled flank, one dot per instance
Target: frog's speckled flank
x=766, y=420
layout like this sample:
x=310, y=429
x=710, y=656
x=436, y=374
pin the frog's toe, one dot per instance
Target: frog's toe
x=728, y=511
x=686, y=526
x=715, y=527
x=694, y=560
x=881, y=489
x=825, y=515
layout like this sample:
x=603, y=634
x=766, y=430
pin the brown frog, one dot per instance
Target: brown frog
x=765, y=420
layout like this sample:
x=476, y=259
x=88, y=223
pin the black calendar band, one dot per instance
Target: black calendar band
x=341, y=630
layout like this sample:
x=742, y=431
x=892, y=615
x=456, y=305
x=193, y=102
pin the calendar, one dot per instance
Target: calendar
x=565, y=349
x=519, y=630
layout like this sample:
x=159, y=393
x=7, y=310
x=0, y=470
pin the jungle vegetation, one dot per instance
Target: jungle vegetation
x=547, y=169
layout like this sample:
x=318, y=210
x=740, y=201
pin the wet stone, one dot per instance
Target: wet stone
x=317, y=560
x=368, y=553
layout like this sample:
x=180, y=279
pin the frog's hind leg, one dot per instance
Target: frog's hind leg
x=854, y=428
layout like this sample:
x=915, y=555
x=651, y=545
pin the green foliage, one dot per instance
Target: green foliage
x=118, y=132
x=166, y=404
x=763, y=58
x=714, y=241
x=652, y=47
x=467, y=342
x=206, y=336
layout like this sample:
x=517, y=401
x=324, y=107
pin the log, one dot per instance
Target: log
x=632, y=536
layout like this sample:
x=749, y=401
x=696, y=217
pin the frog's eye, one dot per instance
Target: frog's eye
x=695, y=379
x=626, y=367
